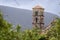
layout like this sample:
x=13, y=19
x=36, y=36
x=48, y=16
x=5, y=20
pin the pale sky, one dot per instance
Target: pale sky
x=49, y=5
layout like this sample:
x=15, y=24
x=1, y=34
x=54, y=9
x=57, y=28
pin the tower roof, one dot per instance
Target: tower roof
x=37, y=6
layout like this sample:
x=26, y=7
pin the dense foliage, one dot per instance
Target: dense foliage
x=8, y=32
x=54, y=32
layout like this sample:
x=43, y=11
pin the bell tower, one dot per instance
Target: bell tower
x=38, y=17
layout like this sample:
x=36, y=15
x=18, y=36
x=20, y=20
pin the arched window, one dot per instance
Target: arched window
x=36, y=13
x=36, y=20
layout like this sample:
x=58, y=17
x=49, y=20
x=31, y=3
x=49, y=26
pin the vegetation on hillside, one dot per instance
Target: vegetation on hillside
x=54, y=32
x=9, y=33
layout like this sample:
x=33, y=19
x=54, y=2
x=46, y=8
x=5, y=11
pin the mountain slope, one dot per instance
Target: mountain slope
x=23, y=16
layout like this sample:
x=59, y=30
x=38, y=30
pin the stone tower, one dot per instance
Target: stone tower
x=38, y=17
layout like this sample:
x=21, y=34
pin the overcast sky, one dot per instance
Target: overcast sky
x=49, y=5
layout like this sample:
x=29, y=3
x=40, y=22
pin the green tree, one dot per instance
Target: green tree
x=6, y=33
x=54, y=32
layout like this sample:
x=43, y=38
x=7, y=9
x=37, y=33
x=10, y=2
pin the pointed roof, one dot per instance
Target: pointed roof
x=37, y=6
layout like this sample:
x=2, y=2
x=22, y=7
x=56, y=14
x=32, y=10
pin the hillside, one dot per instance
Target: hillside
x=23, y=16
